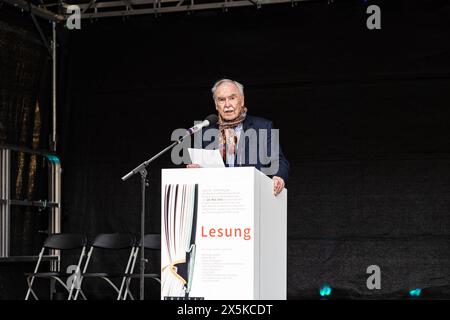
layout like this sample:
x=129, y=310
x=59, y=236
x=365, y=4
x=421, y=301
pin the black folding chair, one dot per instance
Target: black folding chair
x=151, y=242
x=116, y=242
x=62, y=242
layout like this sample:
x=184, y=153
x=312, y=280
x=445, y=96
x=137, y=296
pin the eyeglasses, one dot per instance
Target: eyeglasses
x=222, y=100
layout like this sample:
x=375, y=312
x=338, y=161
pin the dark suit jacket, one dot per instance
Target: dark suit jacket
x=256, y=154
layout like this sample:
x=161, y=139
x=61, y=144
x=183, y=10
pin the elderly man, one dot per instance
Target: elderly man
x=233, y=126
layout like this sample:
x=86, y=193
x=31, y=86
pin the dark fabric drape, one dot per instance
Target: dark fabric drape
x=23, y=111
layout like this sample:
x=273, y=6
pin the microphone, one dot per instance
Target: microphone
x=209, y=121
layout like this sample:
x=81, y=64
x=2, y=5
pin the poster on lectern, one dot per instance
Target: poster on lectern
x=207, y=238
x=208, y=234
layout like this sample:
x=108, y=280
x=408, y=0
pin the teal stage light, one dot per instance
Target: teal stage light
x=52, y=158
x=325, y=290
x=415, y=292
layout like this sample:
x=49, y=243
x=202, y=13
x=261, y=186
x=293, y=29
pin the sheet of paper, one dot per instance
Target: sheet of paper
x=206, y=158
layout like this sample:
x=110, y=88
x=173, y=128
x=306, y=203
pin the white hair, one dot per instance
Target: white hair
x=219, y=82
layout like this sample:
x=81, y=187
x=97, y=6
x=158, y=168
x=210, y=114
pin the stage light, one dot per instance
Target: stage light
x=325, y=290
x=415, y=292
x=52, y=158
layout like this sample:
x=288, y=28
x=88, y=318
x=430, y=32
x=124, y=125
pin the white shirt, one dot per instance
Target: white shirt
x=231, y=157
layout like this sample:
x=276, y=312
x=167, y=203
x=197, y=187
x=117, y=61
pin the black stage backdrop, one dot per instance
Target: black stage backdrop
x=364, y=118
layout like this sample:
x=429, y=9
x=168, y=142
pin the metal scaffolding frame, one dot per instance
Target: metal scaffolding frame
x=54, y=193
x=56, y=10
x=5, y=156
x=53, y=203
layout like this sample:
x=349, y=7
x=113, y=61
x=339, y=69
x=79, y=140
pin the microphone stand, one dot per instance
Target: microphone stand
x=141, y=169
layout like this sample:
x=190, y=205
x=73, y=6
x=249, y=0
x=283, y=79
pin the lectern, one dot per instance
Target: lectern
x=223, y=235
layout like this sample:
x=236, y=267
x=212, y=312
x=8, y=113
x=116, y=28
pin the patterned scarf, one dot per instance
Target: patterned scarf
x=228, y=137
